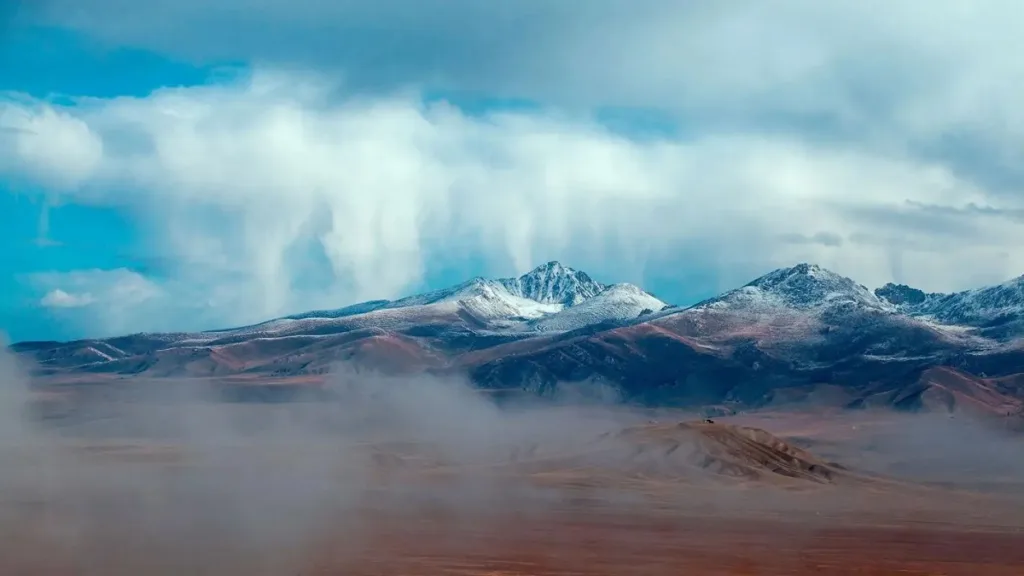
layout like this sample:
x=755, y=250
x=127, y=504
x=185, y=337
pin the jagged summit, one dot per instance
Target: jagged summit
x=549, y=297
x=618, y=302
x=809, y=285
x=553, y=283
x=999, y=305
x=901, y=294
x=792, y=327
x=802, y=286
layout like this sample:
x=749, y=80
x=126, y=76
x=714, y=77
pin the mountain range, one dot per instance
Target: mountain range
x=794, y=336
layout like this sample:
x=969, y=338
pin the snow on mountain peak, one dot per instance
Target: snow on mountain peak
x=553, y=283
x=989, y=306
x=807, y=285
x=801, y=286
x=901, y=295
x=544, y=298
x=618, y=302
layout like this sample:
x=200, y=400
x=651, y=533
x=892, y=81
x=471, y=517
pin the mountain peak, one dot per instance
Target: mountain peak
x=803, y=273
x=805, y=269
x=554, y=283
x=901, y=294
x=552, y=266
x=999, y=309
x=806, y=285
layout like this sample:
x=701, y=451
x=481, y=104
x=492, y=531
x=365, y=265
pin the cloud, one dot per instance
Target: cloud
x=119, y=285
x=50, y=146
x=324, y=178
x=107, y=302
x=246, y=186
x=933, y=76
x=58, y=298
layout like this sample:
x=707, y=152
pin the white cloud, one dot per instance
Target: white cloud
x=50, y=146
x=58, y=298
x=233, y=181
x=107, y=302
x=908, y=70
x=118, y=286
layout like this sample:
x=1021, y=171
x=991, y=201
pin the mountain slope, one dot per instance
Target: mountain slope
x=793, y=333
x=995, y=311
x=553, y=283
x=803, y=287
x=470, y=315
x=541, y=292
x=620, y=302
x=812, y=314
x=796, y=334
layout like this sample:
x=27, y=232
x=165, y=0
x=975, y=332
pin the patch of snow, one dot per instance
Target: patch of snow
x=618, y=302
x=970, y=307
x=553, y=283
x=978, y=306
x=95, y=352
x=506, y=304
x=802, y=287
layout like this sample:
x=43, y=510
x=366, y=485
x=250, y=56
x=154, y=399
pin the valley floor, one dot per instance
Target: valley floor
x=645, y=542
x=572, y=537
x=289, y=505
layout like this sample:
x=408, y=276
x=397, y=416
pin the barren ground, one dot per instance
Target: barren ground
x=692, y=499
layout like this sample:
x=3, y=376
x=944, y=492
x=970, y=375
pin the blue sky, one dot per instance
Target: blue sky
x=159, y=173
x=43, y=234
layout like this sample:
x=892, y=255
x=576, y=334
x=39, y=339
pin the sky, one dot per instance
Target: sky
x=194, y=164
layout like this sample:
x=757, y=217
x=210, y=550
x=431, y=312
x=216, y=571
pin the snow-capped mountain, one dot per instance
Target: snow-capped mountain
x=543, y=291
x=619, y=302
x=998, y=309
x=792, y=330
x=549, y=297
x=553, y=283
x=802, y=287
x=902, y=296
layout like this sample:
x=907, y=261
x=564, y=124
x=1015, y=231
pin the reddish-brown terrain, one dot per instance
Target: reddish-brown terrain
x=649, y=498
x=855, y=433
x=602, y=542
x=799, y=335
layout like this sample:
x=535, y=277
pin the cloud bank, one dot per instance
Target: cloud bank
x=247, y=185
x=876, y=140
x=903, y=73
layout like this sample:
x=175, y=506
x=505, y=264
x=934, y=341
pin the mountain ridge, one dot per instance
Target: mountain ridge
x=548, y=288
x=802, y=286
x=783, y=335
x=996, y=310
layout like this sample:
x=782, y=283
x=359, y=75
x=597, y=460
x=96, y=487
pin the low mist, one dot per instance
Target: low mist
x=960, y=449
x=162, y=476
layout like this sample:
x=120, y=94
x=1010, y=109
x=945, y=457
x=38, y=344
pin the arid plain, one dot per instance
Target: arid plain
x=420, y=476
